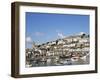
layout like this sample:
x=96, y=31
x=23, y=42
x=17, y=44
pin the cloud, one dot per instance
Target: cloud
x=39, y=34
x=28, y=39
x=61, y=35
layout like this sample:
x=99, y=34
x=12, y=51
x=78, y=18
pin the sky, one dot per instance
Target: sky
x=44, y=27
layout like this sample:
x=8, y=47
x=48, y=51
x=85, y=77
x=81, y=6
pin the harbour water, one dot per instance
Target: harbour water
x=55, y=61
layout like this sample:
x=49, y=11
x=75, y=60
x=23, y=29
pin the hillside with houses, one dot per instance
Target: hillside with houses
x=70, y=50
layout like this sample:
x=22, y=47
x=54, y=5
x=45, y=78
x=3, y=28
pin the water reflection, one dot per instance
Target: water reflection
x=56, y=61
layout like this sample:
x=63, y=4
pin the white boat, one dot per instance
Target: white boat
x=75, y=58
